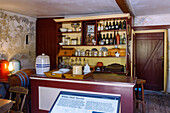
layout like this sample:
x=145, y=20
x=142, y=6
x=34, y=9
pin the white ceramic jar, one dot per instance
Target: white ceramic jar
x=42, y=64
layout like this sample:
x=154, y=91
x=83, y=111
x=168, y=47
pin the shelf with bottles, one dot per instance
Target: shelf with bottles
x=118, y=38
x=112, y=24
x=122, y=30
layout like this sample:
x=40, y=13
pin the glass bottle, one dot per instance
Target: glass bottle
x=117, y=25
x=121, y=39
x=111, y=39
x=124, y=24
x=120, y=25
x=101, y=27
x=113, y=25
x=107, y=39
x=106, y=27
x=114, y=39
x=99, y=38
x=118, y=38
x=110, y=26
x=124, y=39
x=104, y=39
x=98, y=27
x=103, y=24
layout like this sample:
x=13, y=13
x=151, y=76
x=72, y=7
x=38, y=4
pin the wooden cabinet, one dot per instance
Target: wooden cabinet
x=46, y=40
x=83, y=34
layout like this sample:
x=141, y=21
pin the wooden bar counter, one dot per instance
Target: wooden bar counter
x=44, y=90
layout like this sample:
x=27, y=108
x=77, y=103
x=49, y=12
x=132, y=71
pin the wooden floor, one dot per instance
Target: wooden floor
x=156, y=102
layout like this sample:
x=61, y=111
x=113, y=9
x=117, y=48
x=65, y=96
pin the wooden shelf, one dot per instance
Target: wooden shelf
x=95, y=56
x=71, y=32
x=95, y=45
x=111, y=30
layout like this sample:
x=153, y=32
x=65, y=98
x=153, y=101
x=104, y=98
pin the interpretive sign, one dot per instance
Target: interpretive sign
x=73, y=102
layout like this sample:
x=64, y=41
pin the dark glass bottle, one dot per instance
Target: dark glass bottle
x=111, y=39
x=104, y=39
x=106, y=27
x=99, y=38
x=107, y=39
x=124, y=24
x=120, y=25
x=124, y=39
x=113, y=25
x=118, y=38
x=121, y=39
x=117, y=25
x=110, y=26
x=114, y=39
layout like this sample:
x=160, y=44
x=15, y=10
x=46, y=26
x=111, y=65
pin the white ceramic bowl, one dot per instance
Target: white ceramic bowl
x=64, y=70
x=63, y=29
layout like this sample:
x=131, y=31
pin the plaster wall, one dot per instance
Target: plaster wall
x=151, y=20
x=13, y=30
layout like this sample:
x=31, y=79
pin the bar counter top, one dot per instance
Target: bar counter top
x=96, y=77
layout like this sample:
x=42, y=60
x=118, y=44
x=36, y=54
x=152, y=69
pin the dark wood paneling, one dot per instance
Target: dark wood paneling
x=151, y=27
x=46, y=39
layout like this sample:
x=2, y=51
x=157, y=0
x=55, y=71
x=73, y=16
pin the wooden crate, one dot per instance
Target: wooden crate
x=67, y=52
x=49, y=74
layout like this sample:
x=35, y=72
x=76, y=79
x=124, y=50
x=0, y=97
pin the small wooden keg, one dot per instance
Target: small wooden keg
x=21, y=78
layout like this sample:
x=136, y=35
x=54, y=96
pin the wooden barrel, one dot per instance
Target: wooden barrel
x=21, y=78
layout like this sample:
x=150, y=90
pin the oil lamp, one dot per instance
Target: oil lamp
x=10, y=68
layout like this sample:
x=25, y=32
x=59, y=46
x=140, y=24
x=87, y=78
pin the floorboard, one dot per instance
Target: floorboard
x=156, y=102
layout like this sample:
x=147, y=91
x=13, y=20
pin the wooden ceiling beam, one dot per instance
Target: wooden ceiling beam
x=125, y=7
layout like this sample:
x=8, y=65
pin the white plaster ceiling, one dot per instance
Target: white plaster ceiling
x=46, y=8
x=52, y=8
x=150, y=7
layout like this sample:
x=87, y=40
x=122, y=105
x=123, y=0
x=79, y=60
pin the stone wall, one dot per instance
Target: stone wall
x=13, y=30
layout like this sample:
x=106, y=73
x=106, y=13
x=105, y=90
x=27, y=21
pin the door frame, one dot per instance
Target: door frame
x=165, y=31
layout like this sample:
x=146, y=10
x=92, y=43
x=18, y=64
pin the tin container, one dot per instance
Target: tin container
x=100, y=53
x=87, y=52
x=67, y=41
x=74, y=41
x=90, y=53
x=105, y=53
x=95, y=53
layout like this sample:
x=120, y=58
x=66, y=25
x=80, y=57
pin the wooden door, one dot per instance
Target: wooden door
x=149, y=51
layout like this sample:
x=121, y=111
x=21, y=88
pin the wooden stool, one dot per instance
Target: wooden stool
x=141, y=99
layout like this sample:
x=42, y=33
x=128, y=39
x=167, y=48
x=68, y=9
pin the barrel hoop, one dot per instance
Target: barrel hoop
x=20, y=79
x=27, y=78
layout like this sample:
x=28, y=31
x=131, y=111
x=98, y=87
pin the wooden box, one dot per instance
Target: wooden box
x=122, y=52
x=112, y=52
x=71, y=76
x=49, y=74
x=67, y=52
